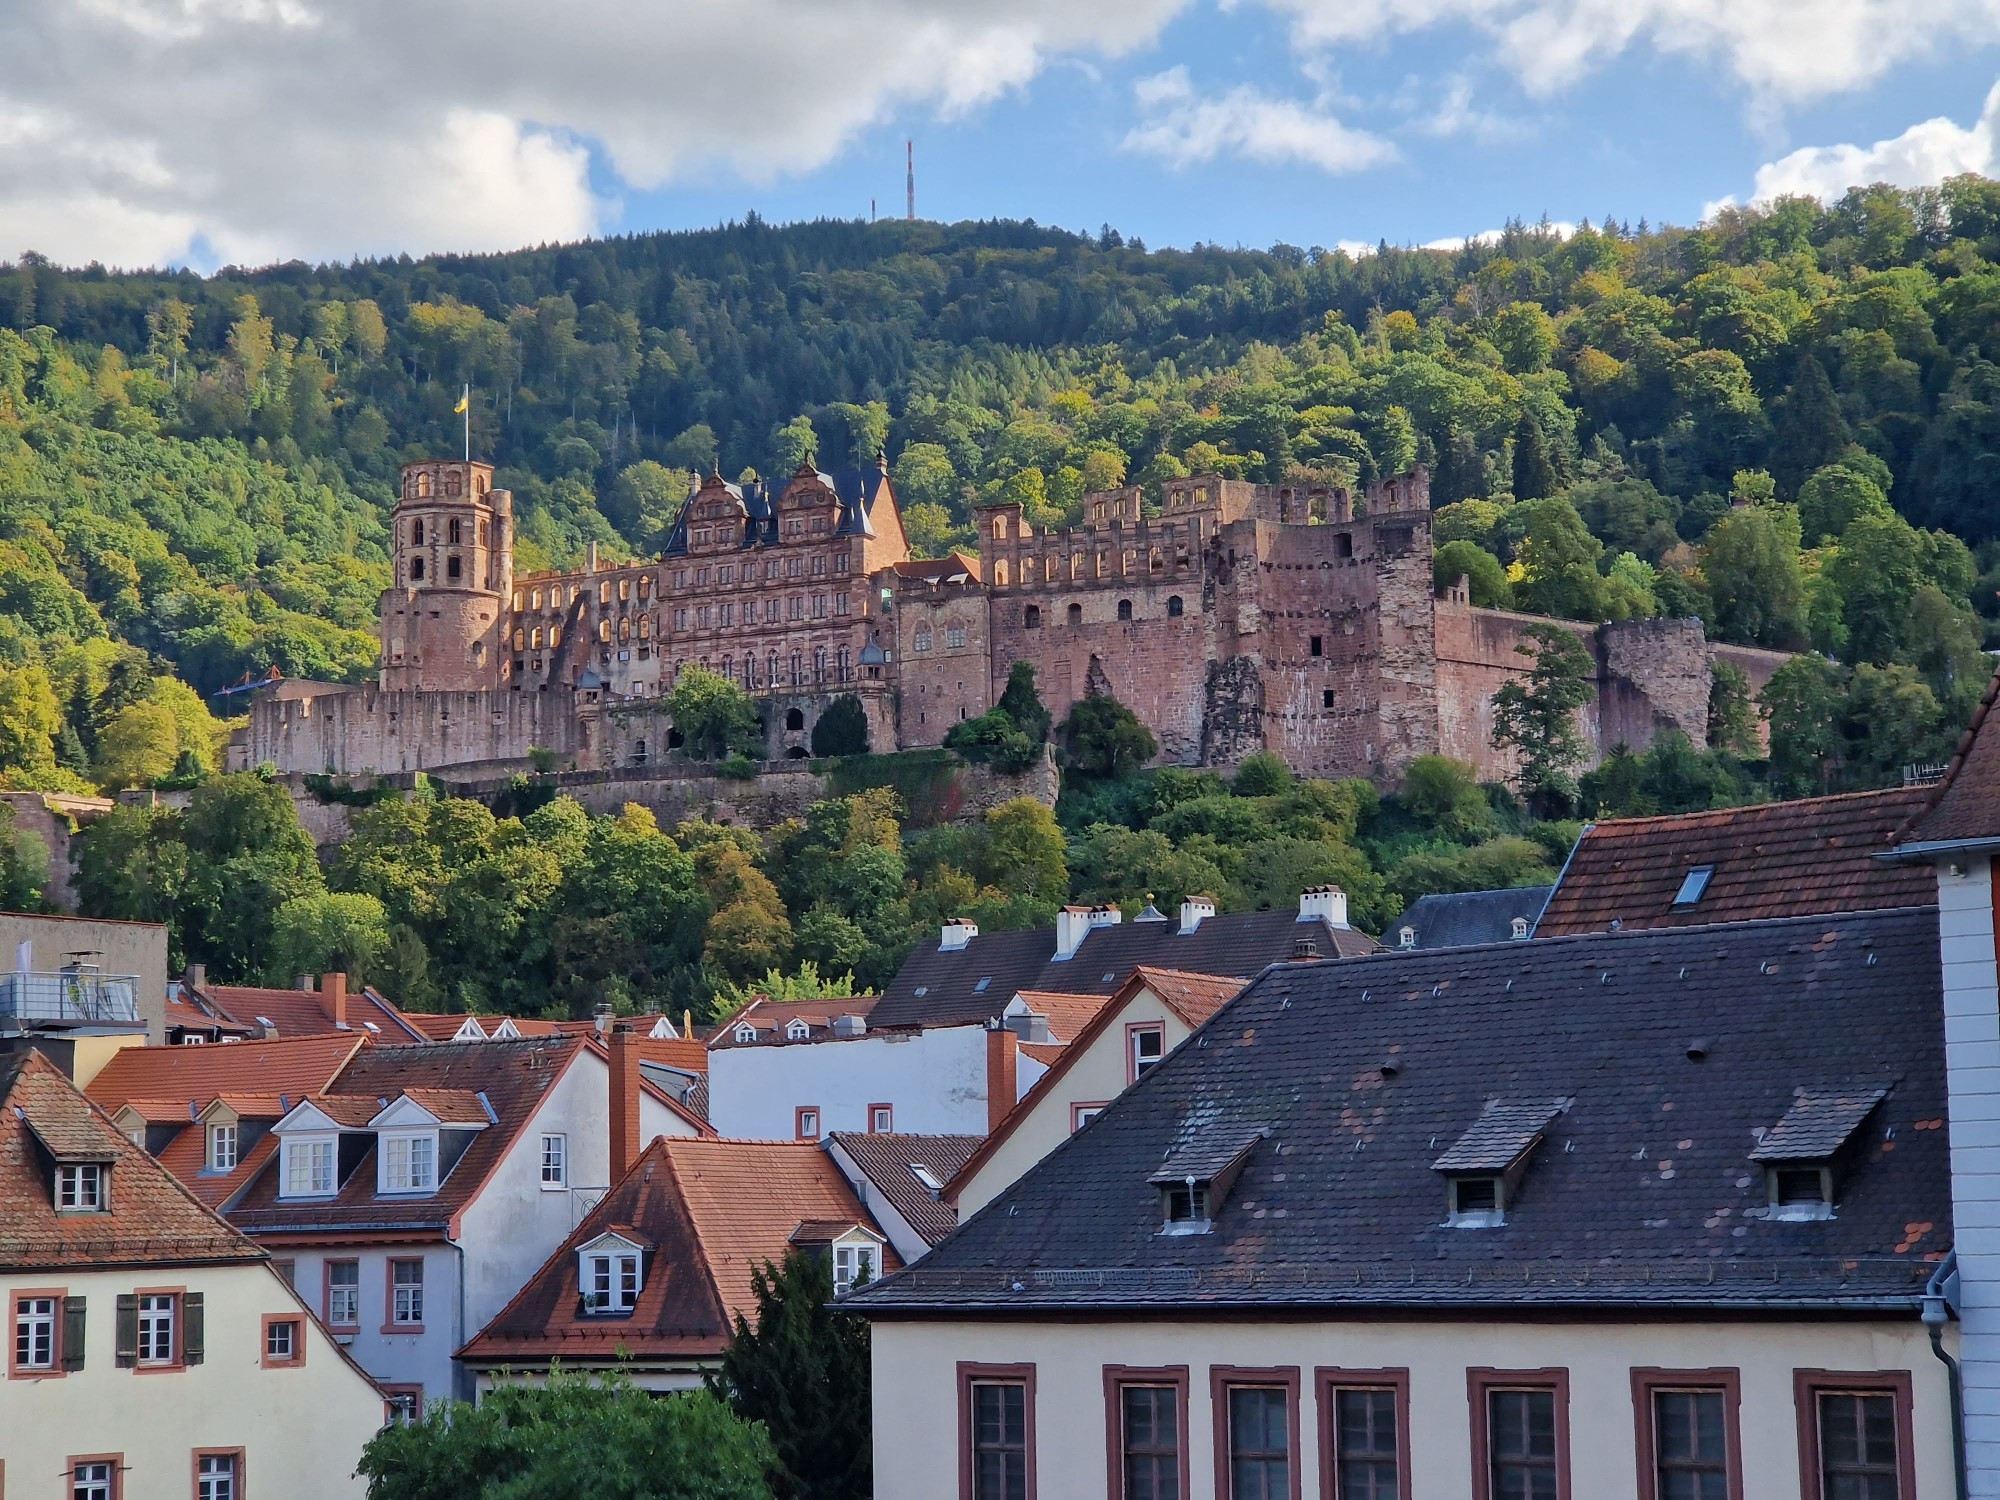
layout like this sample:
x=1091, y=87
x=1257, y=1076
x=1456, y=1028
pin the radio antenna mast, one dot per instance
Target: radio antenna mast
x=910, y=179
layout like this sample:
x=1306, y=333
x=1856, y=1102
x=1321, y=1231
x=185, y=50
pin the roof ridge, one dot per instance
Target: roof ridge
x=1707, y=813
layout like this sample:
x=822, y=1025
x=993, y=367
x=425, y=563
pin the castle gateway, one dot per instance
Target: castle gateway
x=1236, y=617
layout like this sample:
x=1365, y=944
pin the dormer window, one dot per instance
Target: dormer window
x=746, y=1032
x=1406, y=937
x=222, y=1148
x=1484, y=1167
x=1196, y=1177
x=409, y=1162
x=80, y=1187
x=611, y=1283
x=797, y=1030
x=1802, y=1154
x=1186, y=1208
x=1520, y=928
x=853, y=1265
x=308, y=1168
x=1692, y=885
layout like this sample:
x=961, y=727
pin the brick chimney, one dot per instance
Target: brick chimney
x=333, y=998
x=1002, y=1053
x=624, y=1100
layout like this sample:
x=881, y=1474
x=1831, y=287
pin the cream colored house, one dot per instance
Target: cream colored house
x=1626, y=1216
x=1152, y=1013
x=152, y=1352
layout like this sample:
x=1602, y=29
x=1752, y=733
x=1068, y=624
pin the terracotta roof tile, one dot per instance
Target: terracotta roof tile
x=151, y=1218
x=1192, y=997
x=296, y=1012
x=716, y=1210
x=1966, y=804
x=1774, y=859
x=186, y=1156
x=294, y=1068
x=888, y=1162
x=773, y=1017
x=451, y=1106
x=1068, y=1014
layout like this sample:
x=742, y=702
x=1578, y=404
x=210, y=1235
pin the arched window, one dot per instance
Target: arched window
x=638, y=752
x=520, y=638
x=844, y=666
x=771, y=670
x=454, y=531
x=535, y=637
x=729, y=667
x=645, y=585
x=645, y=627
x=999, y=528
x=795, y=718
x=798, y=661
x=535, y=600
x=1031, y=617
x=604, y=630
x=604, y=592
x=417, y=532
x=1075, y=615
x=1175, y=607
x=555, y=635
x=453, y=485
x=416, y=570
x=624, y=589
x=1000, y=573
x=451, y=567
x=423, y=486
x=819, y=664
x=625, y=629
x=1124, y=609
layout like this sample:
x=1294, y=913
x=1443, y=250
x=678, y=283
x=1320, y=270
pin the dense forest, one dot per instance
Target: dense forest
x=1785, y=421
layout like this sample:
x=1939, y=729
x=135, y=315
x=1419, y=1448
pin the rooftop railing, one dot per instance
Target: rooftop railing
x=69, y=997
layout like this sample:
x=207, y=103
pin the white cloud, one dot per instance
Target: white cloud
x=327, y=128
x=1921, y=156
x=1785, y=51
x=1185, y=128
x=1562, y=229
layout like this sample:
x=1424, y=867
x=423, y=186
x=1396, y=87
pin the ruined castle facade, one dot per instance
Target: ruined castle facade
x=1236, y=617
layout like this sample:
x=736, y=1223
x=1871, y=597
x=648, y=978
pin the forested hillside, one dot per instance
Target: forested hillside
x=1785, y=421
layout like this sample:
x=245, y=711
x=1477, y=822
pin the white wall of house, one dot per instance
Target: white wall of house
x=399, y=1356
x=935, y=1080
x=1097, y=1075
x=916, y=1391
x=1972, y=1065
x=301, y=1428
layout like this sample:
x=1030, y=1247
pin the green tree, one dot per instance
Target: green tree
x=138, y=747
x=573, y=1435
x=1481, y=570
x=748, y=932
x=842, y=729
x=796, y=444
x=328, y=932
x=1022, y=703
x=801, y=1373
x=1751, y=565
x=1808, y=430
x=1535, y=716
x=1024, y=853
x=1445, y=794
x=30, y=721
x=1833, y=498
x=713, y=715
x=1262, y=774
x=1560, y=557
x=1534, y=472
x=1803, y=703
x=1525, y=335
x=1103, y=738
x=1732, y=710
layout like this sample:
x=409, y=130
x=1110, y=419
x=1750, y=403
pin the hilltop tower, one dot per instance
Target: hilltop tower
x=443, y=614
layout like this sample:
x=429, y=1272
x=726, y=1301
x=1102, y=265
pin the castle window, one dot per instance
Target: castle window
x=417, y=532
x=1000, y=573
x=819, y=664
x=1326, y=697
x=624, y=590
x=604, y=630
x=840, y=563
x=794, y=566
x=451, y=566
x=1316, y=646
x=517, y=600
x=954, y=636
x=798, y=660
x=700, y=578
x=771, y=670
x=726, y=615
x=520, y=638
x=1031, y=617
x=646, y=584
x=453, y=485
x=535, y=599
x=534, y=637
x=922, y=641
x=819, y=567
x=453, y=530
x=604, y=592
x=1124, y=609
x=484, y=534
x=840, y=604
x=1075, y=615
x=416, y=570
x=771, y=611
x=645, y=627
x=423, y=490
x=845, y=669
x=555, y=636
x=625, y=630
x=795, y=719
x=1176, y=607
x=795, y=607
x=999, y=528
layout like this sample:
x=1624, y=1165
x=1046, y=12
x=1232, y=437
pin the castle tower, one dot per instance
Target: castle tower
x=444, y=613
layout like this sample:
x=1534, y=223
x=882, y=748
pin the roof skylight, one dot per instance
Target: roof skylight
x=1693, y=884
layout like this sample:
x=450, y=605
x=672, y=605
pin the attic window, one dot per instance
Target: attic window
x=1406, y=937
x=746, y=1033
x=797, y=1030
x=1484, y=1167
x=1520, y=927
x=1196, y=1177
x=1476, y=1196
x=984, y=980
x=1803, y=1151
x=80, y=1187
x=221, y=1148
x=409, y=1162
x=610, y=1282
x=853, y=1265
x=927, y=1177
x=1692, y=885
x=1186, y=1208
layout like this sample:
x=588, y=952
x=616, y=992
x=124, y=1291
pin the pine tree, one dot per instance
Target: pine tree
x=1022, y=703
x=803, y=1372
x=1810, y=431
x=1534, y=474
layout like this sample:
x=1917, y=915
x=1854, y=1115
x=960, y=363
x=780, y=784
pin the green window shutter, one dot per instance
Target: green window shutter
x=193, y=1339
x=128, y=1331
x=72, y=1333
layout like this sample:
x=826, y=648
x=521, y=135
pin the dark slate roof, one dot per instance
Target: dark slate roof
x=1505, y=1128
x=1966, y=805
x=1818, y=1124
x=1463, y=918
x=855, y=490
x=1773, y=859
x=886, y=1160
x=936, y=987
x=1643, y=1192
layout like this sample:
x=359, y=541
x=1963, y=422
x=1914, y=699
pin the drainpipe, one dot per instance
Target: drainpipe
x=1939, y=1294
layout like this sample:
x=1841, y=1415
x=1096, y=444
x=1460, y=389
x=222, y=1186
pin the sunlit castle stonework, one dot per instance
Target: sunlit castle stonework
x=1232, y=617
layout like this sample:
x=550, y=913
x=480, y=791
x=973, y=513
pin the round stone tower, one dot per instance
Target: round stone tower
x=444, y=613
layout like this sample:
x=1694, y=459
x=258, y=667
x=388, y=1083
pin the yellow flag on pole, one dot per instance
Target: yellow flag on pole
x=464, y=402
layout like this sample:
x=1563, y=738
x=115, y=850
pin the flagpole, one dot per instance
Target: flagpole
x=467, y=403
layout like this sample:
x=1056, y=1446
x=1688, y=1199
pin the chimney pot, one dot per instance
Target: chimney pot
x=624, y=1100
x=305, y=982
x=333, y=998
x=197, y=976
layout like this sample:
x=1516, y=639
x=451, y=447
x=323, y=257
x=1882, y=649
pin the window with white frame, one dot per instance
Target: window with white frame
x=35, y=1333
x=797, y=1030
x=215, y=1477
x=93, y=1481
x=80, y=1187
x=406, y=1301
x=281, y=1341
x=1149, y=1045
x=555, y=1161
x=852, y=1264
x=409, y=1162
x=881, y=1119
x=343, y=1293
x=746, y=1033
x=308, y=1168
x=611, y=1282
x=222, y=1148
x=156, y=1328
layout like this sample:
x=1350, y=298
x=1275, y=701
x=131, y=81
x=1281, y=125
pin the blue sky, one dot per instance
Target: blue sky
x=182, y=131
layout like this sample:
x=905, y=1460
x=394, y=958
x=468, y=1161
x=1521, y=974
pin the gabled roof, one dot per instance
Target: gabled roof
x=954, y=567
x=514, y=1077
x=1462, y=918
x=185, y=1013
x=295, y=1012
x=1066, y=1014
x=1965, y=806
x=940, y=987
x=152, y=1219
x=717, y=1210
x=758, y=504
x=1644, y=1192
x=888, y=1161
x=1773, y=859
x=772, y=1018
x=294, y=1067
x=1195, y=998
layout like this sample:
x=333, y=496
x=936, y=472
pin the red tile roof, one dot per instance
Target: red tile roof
x=294, y=1068
x=716, y=1210
x=151, y=1219
x=1775, y=859
x=295, y=1012
x=1067, y=1014
x=772, y=1017
x=1967, y=803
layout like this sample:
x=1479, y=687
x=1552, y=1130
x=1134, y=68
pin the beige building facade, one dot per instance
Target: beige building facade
x=1780, y=1383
